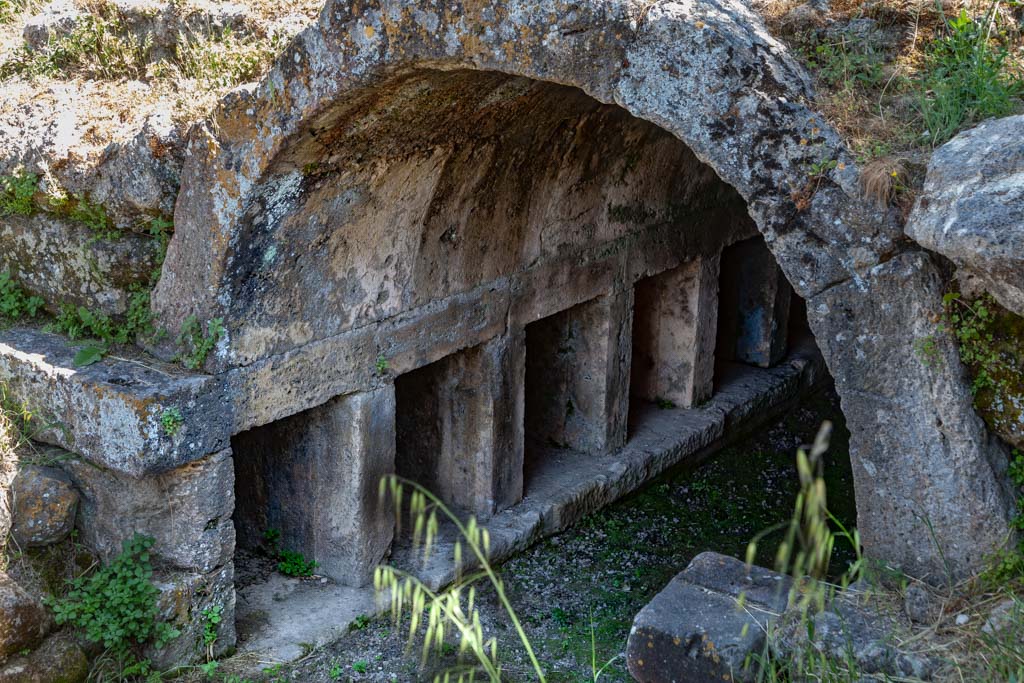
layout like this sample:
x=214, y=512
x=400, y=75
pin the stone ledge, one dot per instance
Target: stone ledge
x=109, y=412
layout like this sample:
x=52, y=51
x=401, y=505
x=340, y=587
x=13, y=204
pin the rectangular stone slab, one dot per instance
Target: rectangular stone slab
x=110, y=412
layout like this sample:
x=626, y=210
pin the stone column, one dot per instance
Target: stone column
x=675, y=320
x=753, y=305
x=577, y=368
x=315, y=476
x=460, y=426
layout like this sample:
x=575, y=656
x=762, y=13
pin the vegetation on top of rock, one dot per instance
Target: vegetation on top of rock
x=897, y=78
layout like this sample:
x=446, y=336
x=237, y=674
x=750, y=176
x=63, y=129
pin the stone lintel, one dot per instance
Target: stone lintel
x=110, y=412
x=674, y=328
x=315, y=478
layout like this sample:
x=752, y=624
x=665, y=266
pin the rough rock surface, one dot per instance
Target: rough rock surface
x=45, y=503
x=23, y=620
x=924, y=462
x=707, y=72
x=972, y=207
x=852, y=629
x=187, y=511
x=58, y=660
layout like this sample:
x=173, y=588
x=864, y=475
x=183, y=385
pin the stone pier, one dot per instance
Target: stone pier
x=675, y=321
x=577, y=375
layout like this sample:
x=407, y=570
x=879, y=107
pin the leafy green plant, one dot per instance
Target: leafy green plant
x=15, y=303
x=846, y=62
x=664, y=403
x=973, y=325
x=117, y=605
x=359, y=623
x=293, y=563
x=17, y=192
x=171, y=420
x=360, y=666
x=212, y=616
x=381, y=365
x=968, y=76
x=336, y=671
x=196, y=345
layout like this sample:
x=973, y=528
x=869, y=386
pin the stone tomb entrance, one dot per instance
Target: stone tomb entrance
x=525, y=259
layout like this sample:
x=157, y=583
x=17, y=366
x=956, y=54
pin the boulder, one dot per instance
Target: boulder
x=972, y=208
x=57, y=660
x=697, y=628
x=45, y=502
x=23, y=620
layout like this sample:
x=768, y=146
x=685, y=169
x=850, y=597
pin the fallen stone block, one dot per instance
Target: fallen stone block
x=699, y=628
x=44, y=502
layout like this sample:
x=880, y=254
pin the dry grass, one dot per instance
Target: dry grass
x=109, y=96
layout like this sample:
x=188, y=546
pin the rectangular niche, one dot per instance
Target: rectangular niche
x=675, y=317
x=577, y=379
x=459, y=427
x=313, y=478
x=754, y=305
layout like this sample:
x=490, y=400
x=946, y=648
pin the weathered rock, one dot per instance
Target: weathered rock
x=184, y=601
x=111, y=413
x=853, y=633
x=920, y=605
x=58, y=18
x=253, y=190
x=23, y=620
x=911, y=416
x=58, y=660
x=45, y=503
x=696, y=630
x=1004, y=620
x=186, y=510
x=972, y=207
x=63, y=262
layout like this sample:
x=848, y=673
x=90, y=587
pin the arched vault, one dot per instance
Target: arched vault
x=381, y=80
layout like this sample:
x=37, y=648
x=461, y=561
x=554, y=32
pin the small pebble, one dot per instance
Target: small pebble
x=962, y=619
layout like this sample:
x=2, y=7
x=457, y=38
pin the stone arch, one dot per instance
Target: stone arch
x=706, y=72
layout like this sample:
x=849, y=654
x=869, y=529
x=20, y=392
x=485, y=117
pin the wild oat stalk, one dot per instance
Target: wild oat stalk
x=452, y=610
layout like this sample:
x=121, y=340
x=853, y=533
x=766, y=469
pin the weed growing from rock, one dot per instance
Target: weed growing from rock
x=293, y=563
x=15, y=303
x=196, y=345
x=171, y=421
x=17, y=192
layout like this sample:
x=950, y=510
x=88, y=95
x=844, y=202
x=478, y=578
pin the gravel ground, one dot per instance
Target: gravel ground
x=577, y=593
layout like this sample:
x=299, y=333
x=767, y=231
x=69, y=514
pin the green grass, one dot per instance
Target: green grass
x=968, y=76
